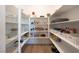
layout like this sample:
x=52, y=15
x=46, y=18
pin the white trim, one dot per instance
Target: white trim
x=29, y=26
x=48, y=27
x=19, y=30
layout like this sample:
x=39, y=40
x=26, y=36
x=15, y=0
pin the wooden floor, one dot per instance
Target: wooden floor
x=36, y=49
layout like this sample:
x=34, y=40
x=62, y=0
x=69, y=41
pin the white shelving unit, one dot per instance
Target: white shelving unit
x=13, y=16
x=70, y=39
x=11, y=20
x=37, y=27
x=40, y=25
x=63, y=47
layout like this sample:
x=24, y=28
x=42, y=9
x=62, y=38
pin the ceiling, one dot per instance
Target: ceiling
x=39, y=9
x=64, y=9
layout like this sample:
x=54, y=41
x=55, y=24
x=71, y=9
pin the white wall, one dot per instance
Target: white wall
x=2, y=28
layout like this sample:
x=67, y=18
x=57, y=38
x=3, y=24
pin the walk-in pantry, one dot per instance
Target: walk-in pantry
x=39, y=28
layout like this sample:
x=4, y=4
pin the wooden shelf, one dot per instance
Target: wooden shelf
x=63, y=47
x=67, y=38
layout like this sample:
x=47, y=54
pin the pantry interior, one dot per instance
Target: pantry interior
x=54, y=32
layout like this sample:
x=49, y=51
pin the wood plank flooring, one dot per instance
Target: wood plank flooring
x=36, y=49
